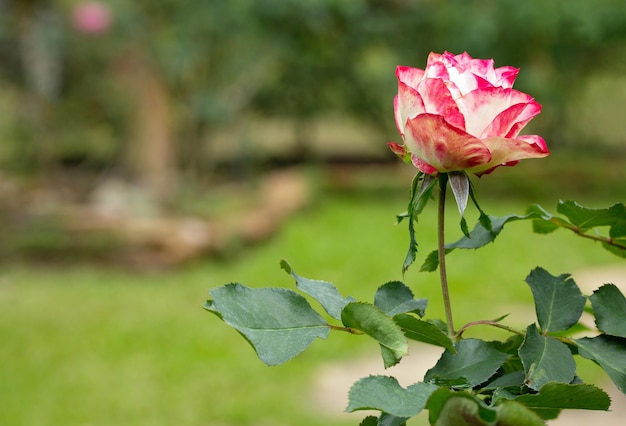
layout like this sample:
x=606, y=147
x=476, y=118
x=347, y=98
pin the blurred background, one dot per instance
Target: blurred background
x=153, y=149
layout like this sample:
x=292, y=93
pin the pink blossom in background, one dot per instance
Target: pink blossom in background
x=462, y=114
x=92, y=18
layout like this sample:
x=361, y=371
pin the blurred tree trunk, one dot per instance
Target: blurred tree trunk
x=151, y=152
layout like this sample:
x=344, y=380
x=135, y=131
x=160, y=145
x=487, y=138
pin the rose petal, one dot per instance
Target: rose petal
x=505, y=76
x=443, y=146
x=409, y=75
x=435, y=68
x=423, y=167
x=509, y=151
x=512, y=120
x=407, y=104
x=482, y=106
x=438, y=100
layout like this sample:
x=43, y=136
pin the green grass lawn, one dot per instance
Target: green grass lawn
x=95, y=346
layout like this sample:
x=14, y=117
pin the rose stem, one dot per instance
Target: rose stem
x=443, y=181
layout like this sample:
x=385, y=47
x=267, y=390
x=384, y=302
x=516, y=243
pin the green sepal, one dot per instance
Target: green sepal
x=460, y=184
x=421, y=192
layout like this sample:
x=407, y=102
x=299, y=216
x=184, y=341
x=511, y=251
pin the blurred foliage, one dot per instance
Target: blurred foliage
x=221, y=62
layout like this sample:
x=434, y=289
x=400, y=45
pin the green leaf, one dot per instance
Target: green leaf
x=553, y=397
x=376, y=324
x=543, y=224
x=514, y=379
x=278, y=323
x=385, y=394
x=609, y=353
x=423, y=331
x=459, y=182
x=369, y=421
x=324, y=292
x=545, y=359
x=609, y=307
x=473, y=363
x=617, y=232
x=421, y=192
x=479, y=236
x=586, y=218
x=395, y=298
x=558, y=300
x=391, y=420
x=451, y=408
x=511, y=413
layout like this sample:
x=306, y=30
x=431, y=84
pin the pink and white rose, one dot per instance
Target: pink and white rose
x=461, y=114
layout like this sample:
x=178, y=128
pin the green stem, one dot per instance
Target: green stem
x=490, y=323
x=580, y=233
x=443, y=182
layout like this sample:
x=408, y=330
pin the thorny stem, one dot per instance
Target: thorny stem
x=487, y=322
x=346, y=329
x=580, y=233
x=443, y=181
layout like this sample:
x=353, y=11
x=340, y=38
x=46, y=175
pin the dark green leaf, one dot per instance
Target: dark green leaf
x=451, y=408
x=369, y=421
x=586, y=218
x=376, y=324
x=395, y=298
x=478, y=237
x=558, y=300
x=391, y=420
x=472, y=364
x=544, y=227
x=431, y=263
x=617, y=250
x=609, y=353
x=459, y=182
x=545, y=360
x=553, y=397
x=609, y=306
x=278, y=323
x=511, y=413
x=384, y=393
x=509, y=380
x=423, y=331
x=617, y=232
x=324, y=292
x=543, y=224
